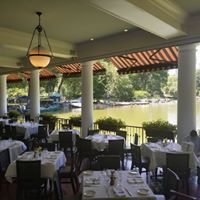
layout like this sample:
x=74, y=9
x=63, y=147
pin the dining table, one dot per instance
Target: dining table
x=51, y=161
x=100, y=141
x=157, y=154
x=28, y=128
x=97, y=185
x=54, y=136
x=15, y=147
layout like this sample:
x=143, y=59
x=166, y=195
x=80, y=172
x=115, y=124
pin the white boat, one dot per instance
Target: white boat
x=76, y=103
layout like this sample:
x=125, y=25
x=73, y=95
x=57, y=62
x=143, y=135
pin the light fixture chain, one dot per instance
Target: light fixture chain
x=48, y=42
x=31, y=41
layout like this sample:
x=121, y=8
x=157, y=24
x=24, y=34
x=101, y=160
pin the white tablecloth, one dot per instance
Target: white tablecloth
x=50, y=163
x=54, y=137
x=28, y=128
x=4, y=121
x=100, y=141
x=15, y=148
x=128, y=185
x=157, y=154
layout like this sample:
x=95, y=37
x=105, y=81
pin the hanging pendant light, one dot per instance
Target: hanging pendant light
x=39, y=56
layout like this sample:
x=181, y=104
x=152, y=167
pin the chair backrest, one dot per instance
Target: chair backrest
x=136, y=139
x=4, y=160
x=122, y=134
x=8, y=132
x=109, y=162
x=115, y=147
x=178, y=162
x=136, y=155
x=171, y=182
x=84, y=146
x=65, y=139
x=93, y=131
x=43, y=131
x=28, y=172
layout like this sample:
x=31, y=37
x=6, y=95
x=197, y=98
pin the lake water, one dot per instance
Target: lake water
x=136, y=114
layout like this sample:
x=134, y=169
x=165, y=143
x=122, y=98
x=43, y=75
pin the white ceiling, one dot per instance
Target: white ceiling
x=71, y=23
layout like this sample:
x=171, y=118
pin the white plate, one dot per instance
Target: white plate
x=133, y=172
x=89, y=193
x=138, y=180
x=143, y=191
x=88, y=172
x=130, y=180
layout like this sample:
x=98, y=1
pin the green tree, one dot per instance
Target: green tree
x=123, y=88
x=152, y=82
x=198, y=81
x=140, y=94
x=72, y=87
x=171, y=88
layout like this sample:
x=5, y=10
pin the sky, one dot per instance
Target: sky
x=175, y=71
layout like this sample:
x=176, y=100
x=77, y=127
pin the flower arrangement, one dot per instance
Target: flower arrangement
x=160, y=129
x=159, y=124
x=75, y=120
x=110, y=124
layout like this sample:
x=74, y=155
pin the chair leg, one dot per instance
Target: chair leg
x=73, y=185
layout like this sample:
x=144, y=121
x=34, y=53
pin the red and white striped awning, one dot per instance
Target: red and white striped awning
x=136, y=62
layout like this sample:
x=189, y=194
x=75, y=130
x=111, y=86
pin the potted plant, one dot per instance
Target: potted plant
x=49, y=119
x=160, y=129
x=110, y=124
x=75, y=120
x=13, y=114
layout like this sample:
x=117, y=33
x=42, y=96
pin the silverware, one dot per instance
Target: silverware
x=129, y=193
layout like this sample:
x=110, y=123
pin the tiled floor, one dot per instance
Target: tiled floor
x=8, y=192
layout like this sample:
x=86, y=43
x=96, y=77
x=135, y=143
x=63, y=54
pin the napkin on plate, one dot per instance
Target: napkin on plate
x=119, y=191
x=92, y=181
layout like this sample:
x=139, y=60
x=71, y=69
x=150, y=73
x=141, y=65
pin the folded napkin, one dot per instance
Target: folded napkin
x=92, y=181
x=154, y=145
x=119, y=191
x=173, y=147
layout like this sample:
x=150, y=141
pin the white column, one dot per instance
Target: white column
x=87, y=97
x=35, y=94
x=186, y=91
x=3, y=95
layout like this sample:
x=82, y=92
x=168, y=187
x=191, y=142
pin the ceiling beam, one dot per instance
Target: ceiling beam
x=161, y=19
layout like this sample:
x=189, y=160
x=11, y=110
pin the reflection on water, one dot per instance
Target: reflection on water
x=136, y=114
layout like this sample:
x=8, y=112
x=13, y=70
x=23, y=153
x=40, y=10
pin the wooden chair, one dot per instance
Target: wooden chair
x=43, y=132
x=138, y=160
x=179, y=163
x=4, y=163
x=66, y=142
x=84, y=150
x=68, y=174
x=175, y=195
x=116, y=147
x=108, y=162
x=171, y=181
x=29, y=181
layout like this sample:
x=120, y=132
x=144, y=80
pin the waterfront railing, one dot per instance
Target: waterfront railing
x=131, y=131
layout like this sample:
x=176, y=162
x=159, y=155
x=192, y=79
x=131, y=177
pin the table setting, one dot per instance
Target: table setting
x=15, y=147
x=100, y=141
x=50, y=163
x=54, y=136
x=157, y=153
x=126, y=185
